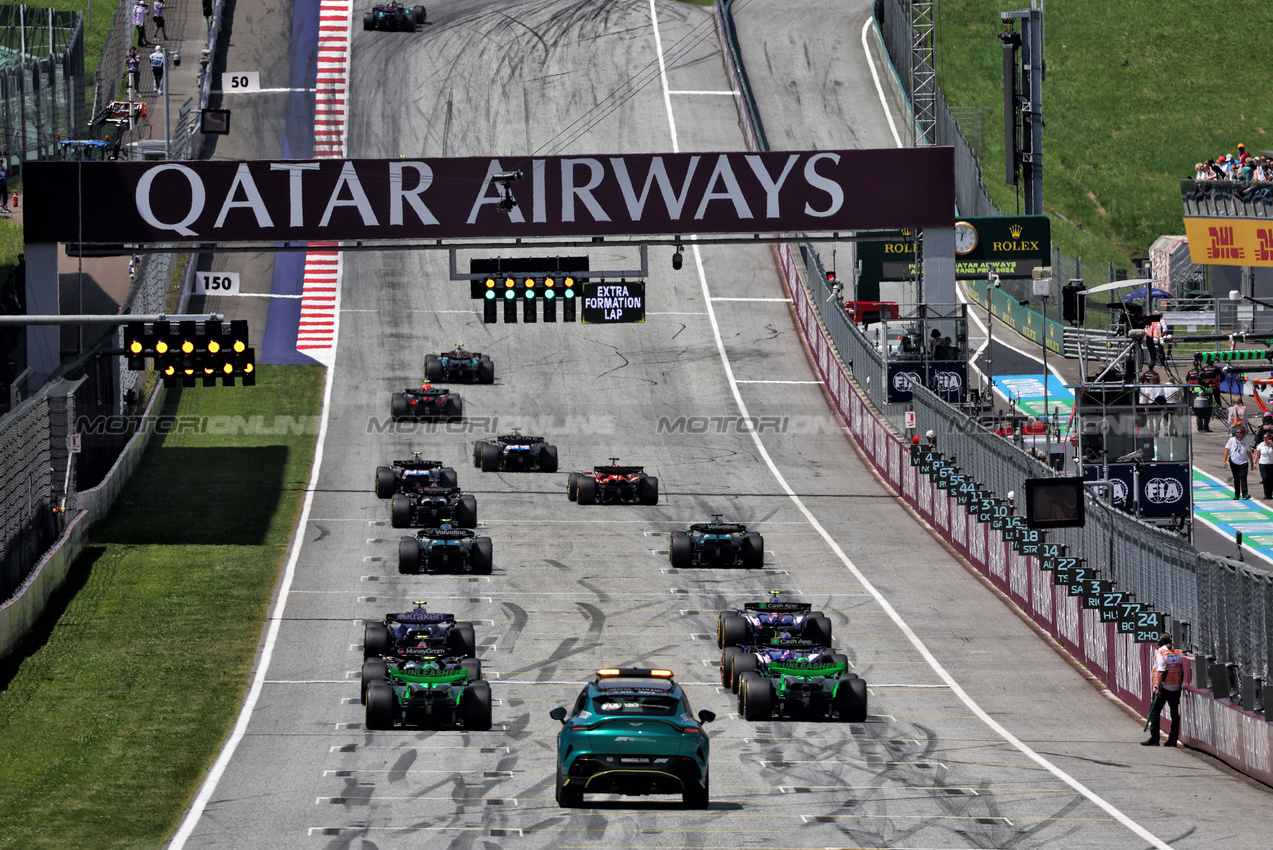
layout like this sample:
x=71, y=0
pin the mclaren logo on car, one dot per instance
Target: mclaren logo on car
x=1164, y=491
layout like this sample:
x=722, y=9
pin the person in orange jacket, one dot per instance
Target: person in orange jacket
x=1168, y=680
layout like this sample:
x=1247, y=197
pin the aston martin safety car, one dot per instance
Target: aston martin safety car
x=407, y=475
x=632, y=732
x=393, y=16
x=428, y=402
x=737, y=660
x=415, y=629
x=433, y=506
x=759, y=622
x=445, y=548
x=471, y=367
x=515, y=452
x=803, y=690
x=613, y=484
x=716, y=544
x=429, y=693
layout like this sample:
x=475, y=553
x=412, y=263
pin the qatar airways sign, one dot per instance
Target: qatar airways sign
x=426, y=198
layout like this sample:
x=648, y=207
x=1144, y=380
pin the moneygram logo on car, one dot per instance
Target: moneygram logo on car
x=1164, y=491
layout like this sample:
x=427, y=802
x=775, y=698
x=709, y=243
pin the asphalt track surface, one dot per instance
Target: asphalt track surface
x=980, y=734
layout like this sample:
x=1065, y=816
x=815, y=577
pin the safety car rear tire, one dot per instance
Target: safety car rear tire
x=757, y=698
x=400, y=511
x=375, y=640
x=753, y=550
x=485, y=371
x=850, y=701
x=696, y=795
x=567, y=798
x=648, y=490
x=399, y=407
x=472, y=666
x=680, y=550
x=475, y=707
x=548, y=459
x=732, y=631
x=466, y=512
x=490, y=457
x=386, y=483
x=586, y=490
x=727, y=657
x=744, y=662
x=480, y=556
x=409, y=555
x=379, y=713
x=374, y=671
x=462, y=640
x=432, y=368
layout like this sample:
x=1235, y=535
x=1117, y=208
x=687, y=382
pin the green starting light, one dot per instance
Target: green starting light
x=530, y=294
x=490, y=294
x=549, y=294
x=509, y=294
x=570, y=293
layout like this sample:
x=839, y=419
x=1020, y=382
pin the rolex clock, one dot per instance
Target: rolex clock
x=965, y=237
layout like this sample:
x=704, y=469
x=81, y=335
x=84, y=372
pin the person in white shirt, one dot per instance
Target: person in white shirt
x=1237, y=454
x=1264, y=457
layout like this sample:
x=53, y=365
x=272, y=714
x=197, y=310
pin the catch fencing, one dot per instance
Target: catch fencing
x=41, y=82
x=1229, y=606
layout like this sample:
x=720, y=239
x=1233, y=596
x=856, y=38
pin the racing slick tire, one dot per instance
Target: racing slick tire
x=572, y=486
x=374, y=671
x=490, y=457
x=727, y=657
x=399, y=407
x=567, y=798
x=420, y=16
x=840, y=658
x=478, y=447
x=379, y=707
x=454, y=409
x=409, y=555
x=386, y=484
x=732, y=630
x=680, y=550
x=850, y=700
x=432, y=368
x=466, y=512
x=753, y=550
x=400, y=511
x=462, y=640
x=485, y=371
x=473, y=667
x=548, y=459
x=480, y=556
x=475, y=707
x=744, y=662
x=369, y=20
x=695, y=795
x=586, y=490
x=375, y=640
x=819, y=629
x=757, y=698
x=648, y=490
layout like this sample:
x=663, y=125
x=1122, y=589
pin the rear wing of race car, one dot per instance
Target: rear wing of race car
x=416, y=463
x=617, y=470
x=778, y=607
x=418, y=617
x=792, y=643
x=806, y=668
x=424, y=652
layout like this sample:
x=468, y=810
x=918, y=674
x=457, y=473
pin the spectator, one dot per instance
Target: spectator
x=1237, y=416
x=1217, y=173
x=4, y=189
x=1247, y=170
x=139, y=22
x=1260, y=173
x=158, y=16
x=157, y=67
x=1202, y=172
x=133, y=61
x=1243, y=154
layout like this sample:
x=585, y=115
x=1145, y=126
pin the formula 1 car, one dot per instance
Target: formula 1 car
x=759, y=622
x=716, y=544
x=426, y=403
x=632, y=732
x=405, y=476
x=377, y=669
x=429, y=692
x=803, y=689
x=442, y=548
x=393, y=16
x=613, y=484
x=509, y=452
x=433, y=506
x=737, y=660
x=471, y=367
x=399, y=633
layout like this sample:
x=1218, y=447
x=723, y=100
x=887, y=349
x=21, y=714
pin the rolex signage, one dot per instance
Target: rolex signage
x=1011, y=246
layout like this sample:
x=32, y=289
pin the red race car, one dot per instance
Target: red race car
x=613, y=484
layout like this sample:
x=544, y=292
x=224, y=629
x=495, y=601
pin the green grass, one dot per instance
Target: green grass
x=1136, y=93
x=113, y=713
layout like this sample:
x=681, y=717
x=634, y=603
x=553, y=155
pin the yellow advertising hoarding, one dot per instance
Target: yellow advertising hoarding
x=1230, y=241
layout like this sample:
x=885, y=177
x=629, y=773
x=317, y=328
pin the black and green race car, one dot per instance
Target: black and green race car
x=432, y=692
x=632, y=732
x=803, y=690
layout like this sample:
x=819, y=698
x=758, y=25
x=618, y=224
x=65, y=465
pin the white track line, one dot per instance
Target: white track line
x=928, y=657
x=888, y=113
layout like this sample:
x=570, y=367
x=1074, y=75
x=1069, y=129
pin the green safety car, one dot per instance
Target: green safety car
x=632, y=732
